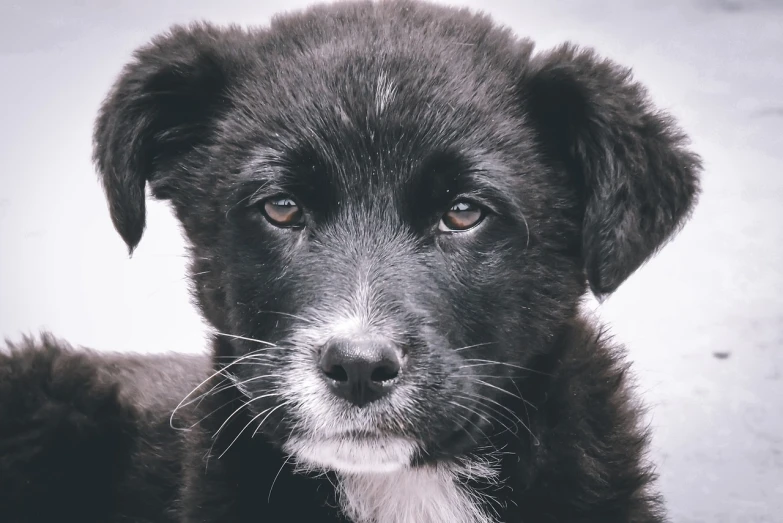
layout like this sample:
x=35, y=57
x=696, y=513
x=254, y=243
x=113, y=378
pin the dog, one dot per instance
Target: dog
x=393, y=210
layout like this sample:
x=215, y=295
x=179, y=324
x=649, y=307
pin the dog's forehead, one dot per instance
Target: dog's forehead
x=379, y=115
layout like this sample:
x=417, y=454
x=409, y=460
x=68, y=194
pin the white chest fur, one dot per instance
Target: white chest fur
x=436, y=494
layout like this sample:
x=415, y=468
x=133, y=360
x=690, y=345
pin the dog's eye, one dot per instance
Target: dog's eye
x=283, y=212
x=462, y=216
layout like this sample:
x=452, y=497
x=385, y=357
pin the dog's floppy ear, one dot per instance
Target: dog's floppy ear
x=160, y=108
x=638, y=180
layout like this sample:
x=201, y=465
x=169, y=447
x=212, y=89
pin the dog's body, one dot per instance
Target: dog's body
x=393, y=210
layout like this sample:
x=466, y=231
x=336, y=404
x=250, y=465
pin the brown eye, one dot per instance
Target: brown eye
x=283, y=212
x=461, y=217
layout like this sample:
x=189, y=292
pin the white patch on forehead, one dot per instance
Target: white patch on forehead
x=384, y=92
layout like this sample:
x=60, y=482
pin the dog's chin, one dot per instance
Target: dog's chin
x=351, y=454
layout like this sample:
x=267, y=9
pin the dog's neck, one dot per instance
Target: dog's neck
x=435, y=494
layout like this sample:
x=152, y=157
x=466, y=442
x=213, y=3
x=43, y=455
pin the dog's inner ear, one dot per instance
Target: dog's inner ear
x=159, y=110
x=628, y=161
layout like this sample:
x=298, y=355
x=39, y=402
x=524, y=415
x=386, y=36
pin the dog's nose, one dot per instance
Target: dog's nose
x=361, y=370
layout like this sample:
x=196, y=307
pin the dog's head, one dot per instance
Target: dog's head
x=392, y=210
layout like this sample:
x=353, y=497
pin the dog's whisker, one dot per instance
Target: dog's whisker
x=295, y=316
x=246, y=198
x=216, y=434
x=269, y=496
x=510, y=378
x=499, y=389
x=504, y=391
x=239, y=434
x=474, y=346
x=256, y=378
x=267, y=417
x=472, y=411
x=249, y=359
x=477, y=413
x=479, y=399
x=480, y=362
x=482, y=397
x=220, y=371
x=477, y=375
x=217, y=388
x=245, y=338
x=214, y=390
x=485, y=409
x=257, y=354
x=257, y=363
x=263, y=351
x=527, y=229
x=255, y=359
x=465, y=430
x=239, y=409
x=525, y=403
x=516, y=419
x=200, y=420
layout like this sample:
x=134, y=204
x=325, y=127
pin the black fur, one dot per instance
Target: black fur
x=582, y=178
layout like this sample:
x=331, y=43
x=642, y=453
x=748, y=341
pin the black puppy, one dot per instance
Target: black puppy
x=393, y=211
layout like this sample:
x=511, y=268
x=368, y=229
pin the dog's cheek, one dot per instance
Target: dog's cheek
x=481, y=280
x=515, y=294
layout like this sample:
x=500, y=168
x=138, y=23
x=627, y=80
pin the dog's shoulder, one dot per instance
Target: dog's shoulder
x=593, y=435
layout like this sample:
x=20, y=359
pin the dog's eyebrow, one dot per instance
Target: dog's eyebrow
x=497, y=190
x=265, y=165
x=266, y=172
x=253, y=184
x=485, y=176
x=493, y=190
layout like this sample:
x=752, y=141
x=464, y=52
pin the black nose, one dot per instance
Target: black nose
x=361, y=370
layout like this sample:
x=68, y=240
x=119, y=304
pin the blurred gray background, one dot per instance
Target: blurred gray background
x=703, y=320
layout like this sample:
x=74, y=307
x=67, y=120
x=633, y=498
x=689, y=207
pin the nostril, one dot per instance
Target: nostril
x=360, y=369
x=336, y=373
x=385, y=373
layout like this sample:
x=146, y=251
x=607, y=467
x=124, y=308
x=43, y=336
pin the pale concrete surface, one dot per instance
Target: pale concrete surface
x=716, y=64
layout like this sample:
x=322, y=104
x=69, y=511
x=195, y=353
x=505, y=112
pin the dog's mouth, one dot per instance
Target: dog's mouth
x=353, y=452
x=376, y=451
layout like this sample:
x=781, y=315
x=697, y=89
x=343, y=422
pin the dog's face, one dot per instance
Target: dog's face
x=392, y=211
